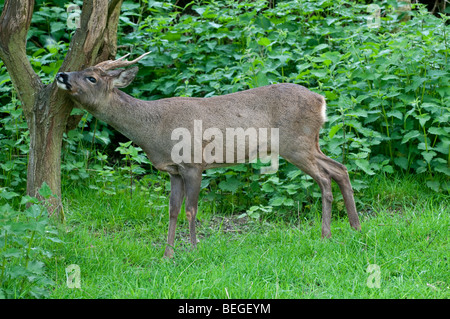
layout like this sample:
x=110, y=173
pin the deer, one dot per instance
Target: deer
x=294, y=110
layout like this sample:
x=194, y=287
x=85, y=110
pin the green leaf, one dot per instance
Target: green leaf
x=45, y=190
x=428, y=155
x=11, y=252
x=229, y=185
x=254, y=214
x=242, y=215
x=423, y=119
x=319, y=73
x=401, y=162
x=396, y=114
x=281, y=201
x=291, y=188
x=365, y=166
x=294, y=173
x=57, y=26
x=330, y=95
x=239, y=168
x=127, y=21
x=410, y=135
x=17, y=272
x=263, y=22
x=40, y=292
x=6, y=209
x=8, y=195
x=389, y=77
x=334, y=130
x=214, y=25
x=172, y=36
x=55, y=240
x=126, y=144
x=261, y=79
x=36, y=267
x=200, y=10
x=264, y=42
x=267, y=188
x=288, y=202
x=320, y=47
x=434, y=185
x=437, y=131
x=443, y=169
x=34, y=211
x=277, y=201
x=388, y=169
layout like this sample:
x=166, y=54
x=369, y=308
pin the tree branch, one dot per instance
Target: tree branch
x=109, y=49
x=96, y=38
x=14, y=24
x=92, y=45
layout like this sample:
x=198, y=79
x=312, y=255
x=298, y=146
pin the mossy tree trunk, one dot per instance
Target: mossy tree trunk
x=47, y=109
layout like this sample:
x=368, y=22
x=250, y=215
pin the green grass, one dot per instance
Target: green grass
x=118, y=243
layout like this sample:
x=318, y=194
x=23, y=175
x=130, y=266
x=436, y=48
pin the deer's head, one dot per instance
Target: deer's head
x=93, y=86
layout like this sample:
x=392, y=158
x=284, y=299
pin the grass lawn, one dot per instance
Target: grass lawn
x=118, y=244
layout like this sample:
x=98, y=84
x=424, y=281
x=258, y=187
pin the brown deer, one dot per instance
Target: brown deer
x=296, y=112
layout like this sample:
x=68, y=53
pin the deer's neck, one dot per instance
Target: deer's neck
x=132, y=117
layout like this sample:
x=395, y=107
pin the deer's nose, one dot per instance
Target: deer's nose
x=62, y=77
x=62, y=80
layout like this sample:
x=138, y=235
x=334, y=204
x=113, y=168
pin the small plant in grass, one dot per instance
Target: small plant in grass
x=23, y=233
x=133, y=155
x=255, y=212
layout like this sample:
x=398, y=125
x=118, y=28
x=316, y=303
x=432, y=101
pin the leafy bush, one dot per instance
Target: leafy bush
x=23, y=234
x=14, y=143
x=391, y=80
x=387, y=88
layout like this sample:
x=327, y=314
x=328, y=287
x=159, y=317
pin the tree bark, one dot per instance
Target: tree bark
x=46, y=108
x=47, y=122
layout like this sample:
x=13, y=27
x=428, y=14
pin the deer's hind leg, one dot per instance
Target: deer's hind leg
x=339, y=174
x=323, y=169
x=309, y=165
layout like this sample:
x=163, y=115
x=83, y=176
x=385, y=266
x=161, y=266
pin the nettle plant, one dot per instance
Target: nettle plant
x=386, y=87
x=23, y=236
x=395, y=103
x=134, y=157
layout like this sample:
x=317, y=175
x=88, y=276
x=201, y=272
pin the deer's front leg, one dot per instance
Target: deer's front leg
x=192, y=177
x=176, y=199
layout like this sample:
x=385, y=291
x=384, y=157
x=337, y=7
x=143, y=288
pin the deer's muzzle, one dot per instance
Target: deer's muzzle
x=62, y=80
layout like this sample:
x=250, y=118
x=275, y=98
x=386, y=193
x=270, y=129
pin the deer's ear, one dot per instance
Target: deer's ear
x=123, y=77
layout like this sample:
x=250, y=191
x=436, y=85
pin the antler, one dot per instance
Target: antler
x=114, y=64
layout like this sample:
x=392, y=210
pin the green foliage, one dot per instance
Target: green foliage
x=387, y=88
x=23, y=233
x=134, y=158
x=14, y=141
x=388, y=95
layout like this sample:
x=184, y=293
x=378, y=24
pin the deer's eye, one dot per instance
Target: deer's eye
x=91, y=79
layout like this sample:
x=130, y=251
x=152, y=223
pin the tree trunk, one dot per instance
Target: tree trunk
x=46, y=124
x=46, y=108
